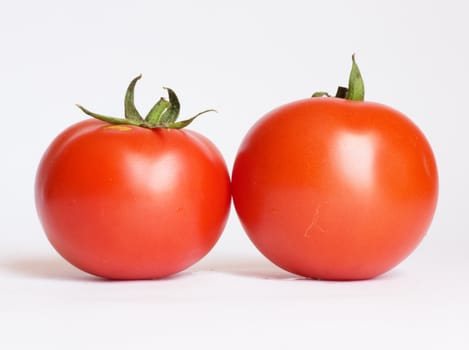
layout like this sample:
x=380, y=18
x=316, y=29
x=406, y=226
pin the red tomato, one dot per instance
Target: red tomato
x=128, y=202
x=335, y=189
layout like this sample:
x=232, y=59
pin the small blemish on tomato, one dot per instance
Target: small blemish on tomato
x=314, y=225
x=426, y=166
x=118, y=127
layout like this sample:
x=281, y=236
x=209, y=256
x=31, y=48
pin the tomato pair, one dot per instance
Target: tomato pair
x=325, y=187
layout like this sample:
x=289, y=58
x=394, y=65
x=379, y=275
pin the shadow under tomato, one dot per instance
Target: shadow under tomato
x=55, y=268
x=253, y=267
x=261, y=268
x=48, y=267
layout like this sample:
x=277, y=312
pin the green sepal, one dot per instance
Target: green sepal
x=356, y=87
x=131, y=112
x=163, y=114
x=111, y=120
x=355, y=91
x=171, y=114
x=183, y=123
x=153, y=117
x=320, y=94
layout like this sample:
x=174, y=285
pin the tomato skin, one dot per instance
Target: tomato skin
x=334, y=189
x=125, y=202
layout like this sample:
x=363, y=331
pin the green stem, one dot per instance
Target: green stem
x=355, y=90
x=164, y=113
x=341, y=92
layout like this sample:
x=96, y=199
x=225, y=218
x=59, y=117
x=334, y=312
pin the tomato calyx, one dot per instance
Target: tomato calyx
x=163, y=114
x=355, y=90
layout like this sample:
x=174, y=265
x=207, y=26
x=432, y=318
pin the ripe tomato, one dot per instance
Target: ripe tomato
x=337, y=189
x=131, y=202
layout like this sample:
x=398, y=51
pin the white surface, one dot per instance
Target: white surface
x=232, y=303
x=242, y=58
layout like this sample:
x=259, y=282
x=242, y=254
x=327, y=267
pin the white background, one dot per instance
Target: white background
x=242, y=58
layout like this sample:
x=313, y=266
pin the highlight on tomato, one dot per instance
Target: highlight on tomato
x=335, y=188
x=133, y=198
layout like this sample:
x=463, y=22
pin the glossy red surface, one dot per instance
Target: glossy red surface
x=126, y=202
x=335, y=189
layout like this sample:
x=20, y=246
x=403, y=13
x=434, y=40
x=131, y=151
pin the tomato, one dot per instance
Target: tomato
x=130, y=202
x=335, y=189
